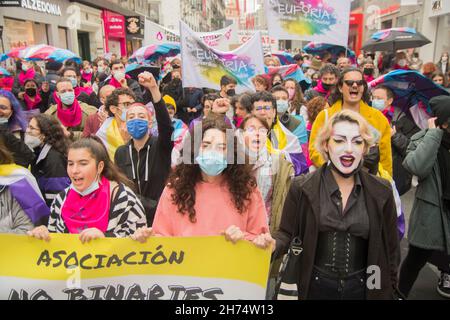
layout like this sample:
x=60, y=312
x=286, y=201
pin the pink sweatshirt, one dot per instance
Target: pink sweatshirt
x=215, y=212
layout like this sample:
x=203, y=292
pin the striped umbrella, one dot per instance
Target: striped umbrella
x=153, y=52
x=46, y=52
x=13, y=53
x=4, y=72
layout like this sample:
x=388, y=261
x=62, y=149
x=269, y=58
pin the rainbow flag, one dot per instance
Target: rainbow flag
x=110, y=135
x=24, y=188
x=283, y=141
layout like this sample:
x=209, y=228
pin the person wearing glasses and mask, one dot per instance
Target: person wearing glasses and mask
x=71, y=113
x=113, y=132
x=352, y=94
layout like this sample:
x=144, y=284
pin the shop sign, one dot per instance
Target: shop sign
x=42, y=6
x=135, y=26
x=114, y=25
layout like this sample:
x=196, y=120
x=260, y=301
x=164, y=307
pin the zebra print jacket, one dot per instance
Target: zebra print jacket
x=125, y=216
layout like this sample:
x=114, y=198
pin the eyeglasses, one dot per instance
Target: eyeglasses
x=350, y=83
x=267, y=108
x=252, y=130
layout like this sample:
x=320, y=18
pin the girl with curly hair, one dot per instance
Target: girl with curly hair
x=45, y=136
x=212, y=195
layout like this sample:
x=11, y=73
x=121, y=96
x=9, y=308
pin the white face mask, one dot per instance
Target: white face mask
x=402, y=62
x=31, y=141
x=119, y=75
x=444, y=58
x=346, y=147
x=3, y=120
x=93, y=187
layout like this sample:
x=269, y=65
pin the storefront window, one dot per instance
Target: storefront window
x=20, y=33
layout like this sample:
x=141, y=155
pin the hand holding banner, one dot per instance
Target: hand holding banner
x=162, y=268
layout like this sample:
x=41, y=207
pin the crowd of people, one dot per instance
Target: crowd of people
x=325, y=159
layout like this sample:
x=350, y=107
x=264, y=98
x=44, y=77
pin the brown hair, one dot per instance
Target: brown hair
x=343, y=116
x=239, y=178
x=99, y=153
x=298, y=100
x=314, y=106
x=6, y=156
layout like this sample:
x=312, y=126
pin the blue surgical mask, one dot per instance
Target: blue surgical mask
x=67, y=98
x=74, y=82
x=137, y=128
x=93, y=187
x=378, y=104
x=282, y=106
x=212, y=163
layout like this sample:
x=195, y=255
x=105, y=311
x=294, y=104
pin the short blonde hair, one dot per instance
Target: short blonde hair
x=343, y=116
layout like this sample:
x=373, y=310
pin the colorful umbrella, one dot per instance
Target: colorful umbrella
x=395, y=39
x=153, y=52
x=4, y=72
x=46, y=52
x=13, y=53
x=318, y=48
x=409, y=87
x=284, y=57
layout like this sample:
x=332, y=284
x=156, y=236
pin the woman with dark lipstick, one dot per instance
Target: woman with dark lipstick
x=351, y=245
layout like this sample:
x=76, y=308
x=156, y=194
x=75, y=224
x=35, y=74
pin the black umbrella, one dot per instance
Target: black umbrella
x=134, y=69
x=395, y=39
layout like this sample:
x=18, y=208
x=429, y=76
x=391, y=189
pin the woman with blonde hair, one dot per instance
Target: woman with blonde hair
x=350, y=216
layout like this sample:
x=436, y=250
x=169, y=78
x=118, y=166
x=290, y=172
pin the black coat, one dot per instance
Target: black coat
x=405, y=129
x=23, y=156
x=383, y=243
x=131, y=83
x=154, y=158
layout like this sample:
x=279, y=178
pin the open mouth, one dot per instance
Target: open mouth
x=354, y=94
x=77, y=180
x=256, y=143
x=347, y=161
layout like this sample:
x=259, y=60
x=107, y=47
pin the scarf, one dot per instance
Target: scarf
x=70, y=117
x=116, y=84
x=30, y=103
x=86, y=76
x=319, y=88
x=389, y=113
x=110, y=135
x=29, y=74
x=78, y=90
x=91, y=211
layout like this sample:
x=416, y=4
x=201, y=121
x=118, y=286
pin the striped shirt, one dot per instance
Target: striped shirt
x=125, y=217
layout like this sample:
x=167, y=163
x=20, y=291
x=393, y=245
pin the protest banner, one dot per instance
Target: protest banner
x=313, y=20
x=219, y=39
x=203, y=66
x=269, y=44
x=175, y=268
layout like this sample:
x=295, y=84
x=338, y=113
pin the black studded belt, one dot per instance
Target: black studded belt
x=340, y=254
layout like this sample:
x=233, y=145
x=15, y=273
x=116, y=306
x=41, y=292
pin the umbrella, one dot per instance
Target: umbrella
x=395, y=39
x=153, y=52
x=4, y=72
x=284, y=57
x=46, y=52
x=412, y=90
x=134, y=69
x=13, y=53
x=318, y=48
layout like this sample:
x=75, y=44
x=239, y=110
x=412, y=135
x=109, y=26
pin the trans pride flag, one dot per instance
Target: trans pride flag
x=290, y=71
x=25, y=190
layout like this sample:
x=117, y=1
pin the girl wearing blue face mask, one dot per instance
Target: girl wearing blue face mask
x=99, y=202
x=210, y=193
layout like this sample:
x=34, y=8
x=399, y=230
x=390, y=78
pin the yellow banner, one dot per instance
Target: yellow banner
x=162, y=268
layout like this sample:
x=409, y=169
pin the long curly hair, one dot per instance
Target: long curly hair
x=53, y=132
x=239, y=178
